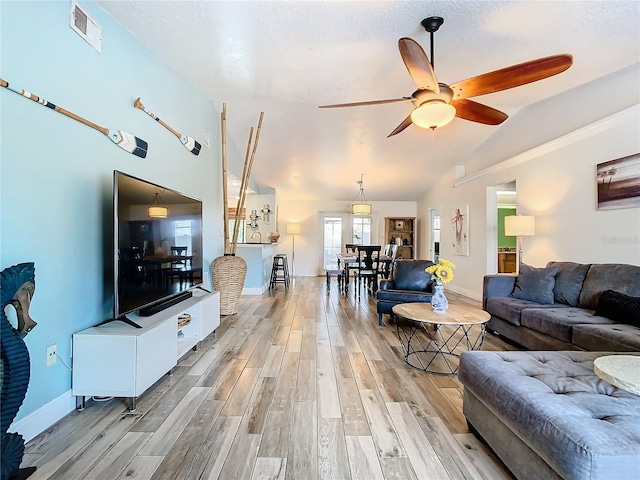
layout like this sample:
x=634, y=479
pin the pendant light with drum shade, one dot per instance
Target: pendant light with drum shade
x=158, y=210
x=361, y=207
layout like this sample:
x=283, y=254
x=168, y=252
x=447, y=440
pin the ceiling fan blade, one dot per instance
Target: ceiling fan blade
x=512, y=76
x=371, y=102
x=477, y=112
x=418, y=64
x=405, y=123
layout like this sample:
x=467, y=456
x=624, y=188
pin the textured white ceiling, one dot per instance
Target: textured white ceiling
x=287, y=57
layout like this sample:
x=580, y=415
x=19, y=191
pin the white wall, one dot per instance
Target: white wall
x=308, y=243
x=556, y=182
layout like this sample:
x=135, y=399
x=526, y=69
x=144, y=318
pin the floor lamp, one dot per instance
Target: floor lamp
x=520, y=226
x=293, y=229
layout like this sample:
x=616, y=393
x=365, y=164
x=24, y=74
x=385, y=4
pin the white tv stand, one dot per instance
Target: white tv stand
x=118, y=360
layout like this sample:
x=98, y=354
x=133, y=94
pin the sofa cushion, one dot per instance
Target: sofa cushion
x=535, y=284
x=583, y=427
x=558, y=322
x=609, y=276
x=403, y=296
x=509, y=308
x=619, y=307
x=411, y=275
x=615, y=337
x=569, y=281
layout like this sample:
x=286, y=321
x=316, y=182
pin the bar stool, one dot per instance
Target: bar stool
x=279, y=271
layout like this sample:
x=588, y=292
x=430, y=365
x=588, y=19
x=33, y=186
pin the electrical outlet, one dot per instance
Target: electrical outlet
x=52, y=354
x=206, y=138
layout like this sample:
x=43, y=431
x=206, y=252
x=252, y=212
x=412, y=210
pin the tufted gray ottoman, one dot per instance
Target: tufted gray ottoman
x=547, y=415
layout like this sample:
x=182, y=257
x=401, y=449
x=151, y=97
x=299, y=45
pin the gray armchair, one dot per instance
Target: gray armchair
x=408, y=283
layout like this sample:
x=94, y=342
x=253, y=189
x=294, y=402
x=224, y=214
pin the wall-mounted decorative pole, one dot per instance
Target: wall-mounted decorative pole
x=124, y=140
x=189, y=143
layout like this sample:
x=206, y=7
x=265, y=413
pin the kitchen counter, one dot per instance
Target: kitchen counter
x=259, y=258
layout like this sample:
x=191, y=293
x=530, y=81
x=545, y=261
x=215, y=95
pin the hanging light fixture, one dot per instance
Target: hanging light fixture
x=157, y=210
x=360, y=207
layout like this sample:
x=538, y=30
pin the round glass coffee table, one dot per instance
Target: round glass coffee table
x=432, y=341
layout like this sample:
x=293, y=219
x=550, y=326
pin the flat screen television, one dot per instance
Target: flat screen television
x=157, y=246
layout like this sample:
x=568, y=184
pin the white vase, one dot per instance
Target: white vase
x=439, y=302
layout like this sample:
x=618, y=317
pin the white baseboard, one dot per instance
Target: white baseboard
x=463, y=291
x=37, y=422
x=253, y=290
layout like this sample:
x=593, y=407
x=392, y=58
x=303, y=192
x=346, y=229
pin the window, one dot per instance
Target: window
x=182, y=235
x=361, y=230
x=241, y=230
x=332, y=241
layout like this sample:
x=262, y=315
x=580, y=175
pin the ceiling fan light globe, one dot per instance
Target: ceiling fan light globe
x=433, y=114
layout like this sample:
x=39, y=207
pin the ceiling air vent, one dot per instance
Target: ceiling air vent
x=85, y=26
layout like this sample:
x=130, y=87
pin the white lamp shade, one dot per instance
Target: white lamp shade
x=293, y=228
x=433, y=114
x=515, y=225
x=361, y=209
x=156, y=211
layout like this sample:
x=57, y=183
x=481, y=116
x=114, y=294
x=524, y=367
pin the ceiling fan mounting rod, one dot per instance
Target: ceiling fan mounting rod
x=431, y=25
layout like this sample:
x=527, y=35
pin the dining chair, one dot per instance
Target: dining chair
x=392, y=252
x=348, y=267
x=179, y=267
x=351, y=247
x=368, y=267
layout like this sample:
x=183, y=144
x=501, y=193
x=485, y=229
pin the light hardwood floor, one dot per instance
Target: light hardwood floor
x=298, y=385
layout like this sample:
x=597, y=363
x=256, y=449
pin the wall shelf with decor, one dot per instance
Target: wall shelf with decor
x=402, y=232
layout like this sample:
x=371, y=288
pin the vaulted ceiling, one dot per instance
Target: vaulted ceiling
x=287, y=57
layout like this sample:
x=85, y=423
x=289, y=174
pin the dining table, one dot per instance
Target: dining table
x=348, y=261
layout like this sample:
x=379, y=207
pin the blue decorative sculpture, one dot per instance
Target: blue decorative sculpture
x=17, y=286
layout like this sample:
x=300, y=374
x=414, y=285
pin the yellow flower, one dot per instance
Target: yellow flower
x=445, y=274
x=442, y=271
x=447, y=264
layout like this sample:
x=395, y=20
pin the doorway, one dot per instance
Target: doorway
x=332, y=231
x=506, y=245
x=338, y=229
x=434, y=237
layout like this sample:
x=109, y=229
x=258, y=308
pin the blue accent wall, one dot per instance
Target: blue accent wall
x=56, y=174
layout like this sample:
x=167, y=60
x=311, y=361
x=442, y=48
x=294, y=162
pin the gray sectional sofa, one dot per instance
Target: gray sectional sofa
x=546, y=414
x=555, y=307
